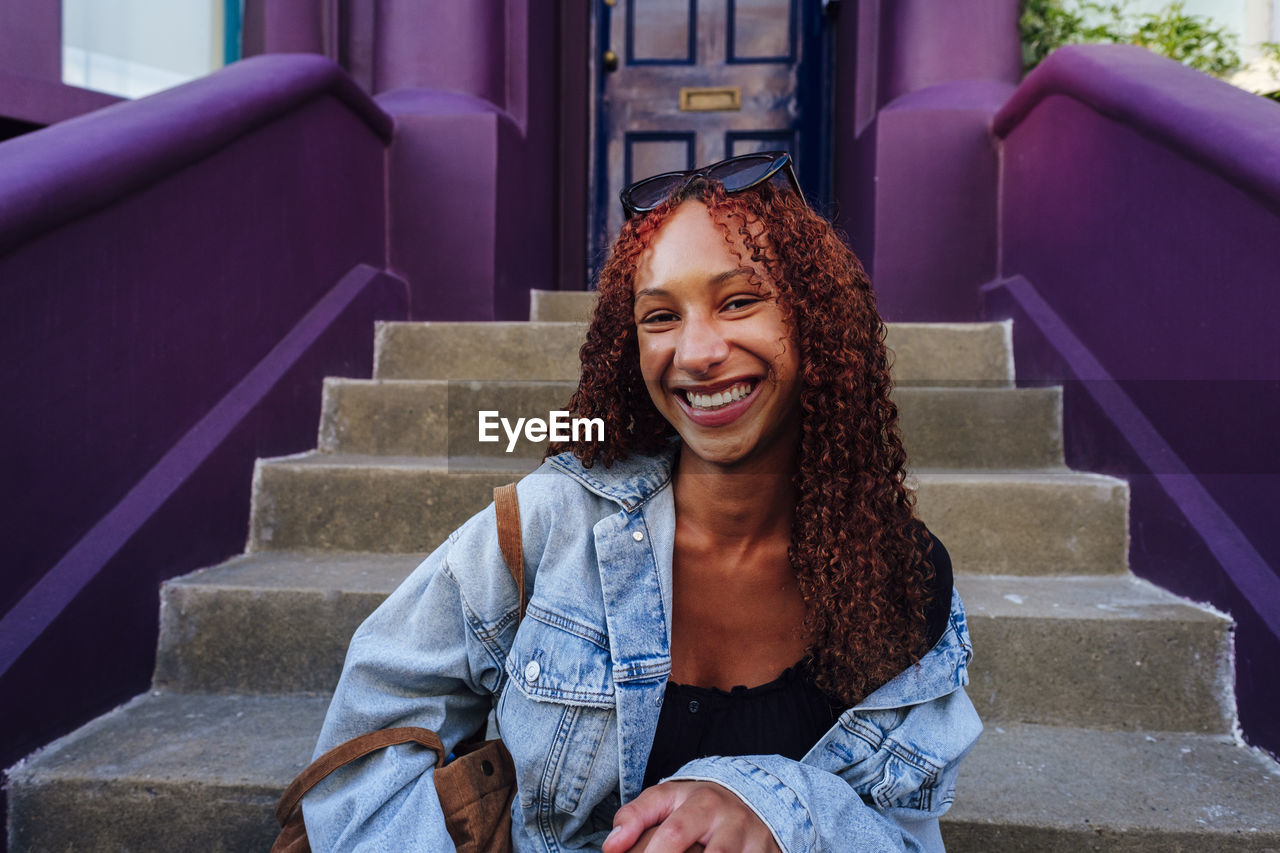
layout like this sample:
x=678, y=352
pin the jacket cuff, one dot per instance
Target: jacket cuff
x=764, y=793
x=781, y=793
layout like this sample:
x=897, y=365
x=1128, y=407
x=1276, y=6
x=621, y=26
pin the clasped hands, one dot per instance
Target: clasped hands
x=679, y=816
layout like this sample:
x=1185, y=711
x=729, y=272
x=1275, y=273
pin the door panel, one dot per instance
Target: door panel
x=761, y=31
x=651, y=153
x=695, y=81
x=661, y=32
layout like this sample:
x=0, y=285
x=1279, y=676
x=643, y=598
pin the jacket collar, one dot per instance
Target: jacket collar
x=629, y=482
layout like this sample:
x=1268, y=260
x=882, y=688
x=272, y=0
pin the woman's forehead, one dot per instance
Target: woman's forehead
x=692, y=244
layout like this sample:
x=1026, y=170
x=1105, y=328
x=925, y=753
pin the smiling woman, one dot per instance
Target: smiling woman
x=739, y=637
x=716, y=353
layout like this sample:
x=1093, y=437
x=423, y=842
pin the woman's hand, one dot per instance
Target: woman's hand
x=674, y=817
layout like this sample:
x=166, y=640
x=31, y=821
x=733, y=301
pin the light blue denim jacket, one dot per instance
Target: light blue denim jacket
x=580, y=684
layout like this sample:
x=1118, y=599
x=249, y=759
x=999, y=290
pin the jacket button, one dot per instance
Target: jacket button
x=532, y=671
x=694, y=706
x=638, y=536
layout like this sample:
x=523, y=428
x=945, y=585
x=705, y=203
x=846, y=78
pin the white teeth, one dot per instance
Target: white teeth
x=720, y=398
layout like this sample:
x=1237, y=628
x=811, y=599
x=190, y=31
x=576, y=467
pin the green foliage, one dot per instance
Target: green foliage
x=1271, y=53
x=1190, y=39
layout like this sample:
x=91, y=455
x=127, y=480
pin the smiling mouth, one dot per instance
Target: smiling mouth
x=720, y=399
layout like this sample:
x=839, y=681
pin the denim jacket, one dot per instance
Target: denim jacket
x=579, y=685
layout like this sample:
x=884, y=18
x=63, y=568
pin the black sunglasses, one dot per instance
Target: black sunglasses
x=735, y=174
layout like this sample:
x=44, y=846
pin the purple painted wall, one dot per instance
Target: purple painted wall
x=31, y=38
x=914, y=161
x=171, y=305
x=473, y=167
x=437, y=44
x=474, y=177
x=924, y=43
x=1140, y=205
x=935, y=201
x=45, y=102
x=288, y=26
x=31, y=90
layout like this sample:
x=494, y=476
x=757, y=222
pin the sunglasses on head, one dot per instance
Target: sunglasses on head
x=735, y=174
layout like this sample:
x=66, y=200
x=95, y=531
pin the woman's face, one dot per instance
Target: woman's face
x=720, y=362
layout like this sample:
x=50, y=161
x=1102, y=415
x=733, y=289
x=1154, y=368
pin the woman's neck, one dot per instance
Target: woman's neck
x=748, y=503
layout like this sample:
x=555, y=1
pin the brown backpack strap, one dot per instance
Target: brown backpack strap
x=507, y=506
x=349, y=751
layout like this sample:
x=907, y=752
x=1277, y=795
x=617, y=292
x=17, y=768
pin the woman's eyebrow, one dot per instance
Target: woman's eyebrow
x=652, y=291
x=721, y=278
x=715, y=280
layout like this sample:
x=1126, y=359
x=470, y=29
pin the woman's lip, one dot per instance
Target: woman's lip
x=719, y=386
x=720, y=416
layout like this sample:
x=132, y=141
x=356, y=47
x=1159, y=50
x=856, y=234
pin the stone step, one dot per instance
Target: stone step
x=561, y=306
x=180, y=771
x=270, y=623
x=1005, y=522
x=167, y=771
x=1063, y=790
x=925, y=353
x=1051, y=650
x=943, y=427
x=1108, y=652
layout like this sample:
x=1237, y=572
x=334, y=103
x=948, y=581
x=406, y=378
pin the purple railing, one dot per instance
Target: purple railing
x=177, y=276
x=1139, y=235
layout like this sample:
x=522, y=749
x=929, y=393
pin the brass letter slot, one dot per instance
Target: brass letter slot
x=701, y=100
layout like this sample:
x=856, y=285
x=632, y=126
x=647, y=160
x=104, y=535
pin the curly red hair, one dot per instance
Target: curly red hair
x=860, y=557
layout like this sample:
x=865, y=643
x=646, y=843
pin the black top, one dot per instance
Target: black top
x=785, y=717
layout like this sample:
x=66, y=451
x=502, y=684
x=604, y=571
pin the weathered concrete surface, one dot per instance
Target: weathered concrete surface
x=942, y=427
x=1028, y=522
x=370, y=503
x=1033, y=522
x=951, y=354
x=981, y=427
x=1111, y=652
x=560, y=306
x=433, y=417
x=270, y=623
x=166, y=772
x=1051, y=789
x=519, y=351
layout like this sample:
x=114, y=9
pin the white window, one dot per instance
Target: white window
x=133, y=48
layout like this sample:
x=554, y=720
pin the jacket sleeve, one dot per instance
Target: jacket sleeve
x=887, y=797
x=429, y=657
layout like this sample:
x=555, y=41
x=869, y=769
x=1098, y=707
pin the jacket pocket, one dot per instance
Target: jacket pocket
x=555, y=663
x=908, y=779
x=555, y=711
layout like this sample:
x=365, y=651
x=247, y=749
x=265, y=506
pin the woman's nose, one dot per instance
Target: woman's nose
x=701, y=346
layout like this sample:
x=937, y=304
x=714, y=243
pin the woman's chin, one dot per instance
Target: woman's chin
x=723, y=455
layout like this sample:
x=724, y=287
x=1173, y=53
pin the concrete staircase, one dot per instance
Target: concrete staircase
x=1107, y=701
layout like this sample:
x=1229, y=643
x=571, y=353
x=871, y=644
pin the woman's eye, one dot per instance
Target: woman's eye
x=739, y=302
x=658, y=317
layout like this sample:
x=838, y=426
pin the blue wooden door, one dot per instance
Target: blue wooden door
x=681, y=83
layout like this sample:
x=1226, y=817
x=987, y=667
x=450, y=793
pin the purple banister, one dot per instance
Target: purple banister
x=48, y=178
x=168, y=270
x=1139, y=233
x=1234, y=132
